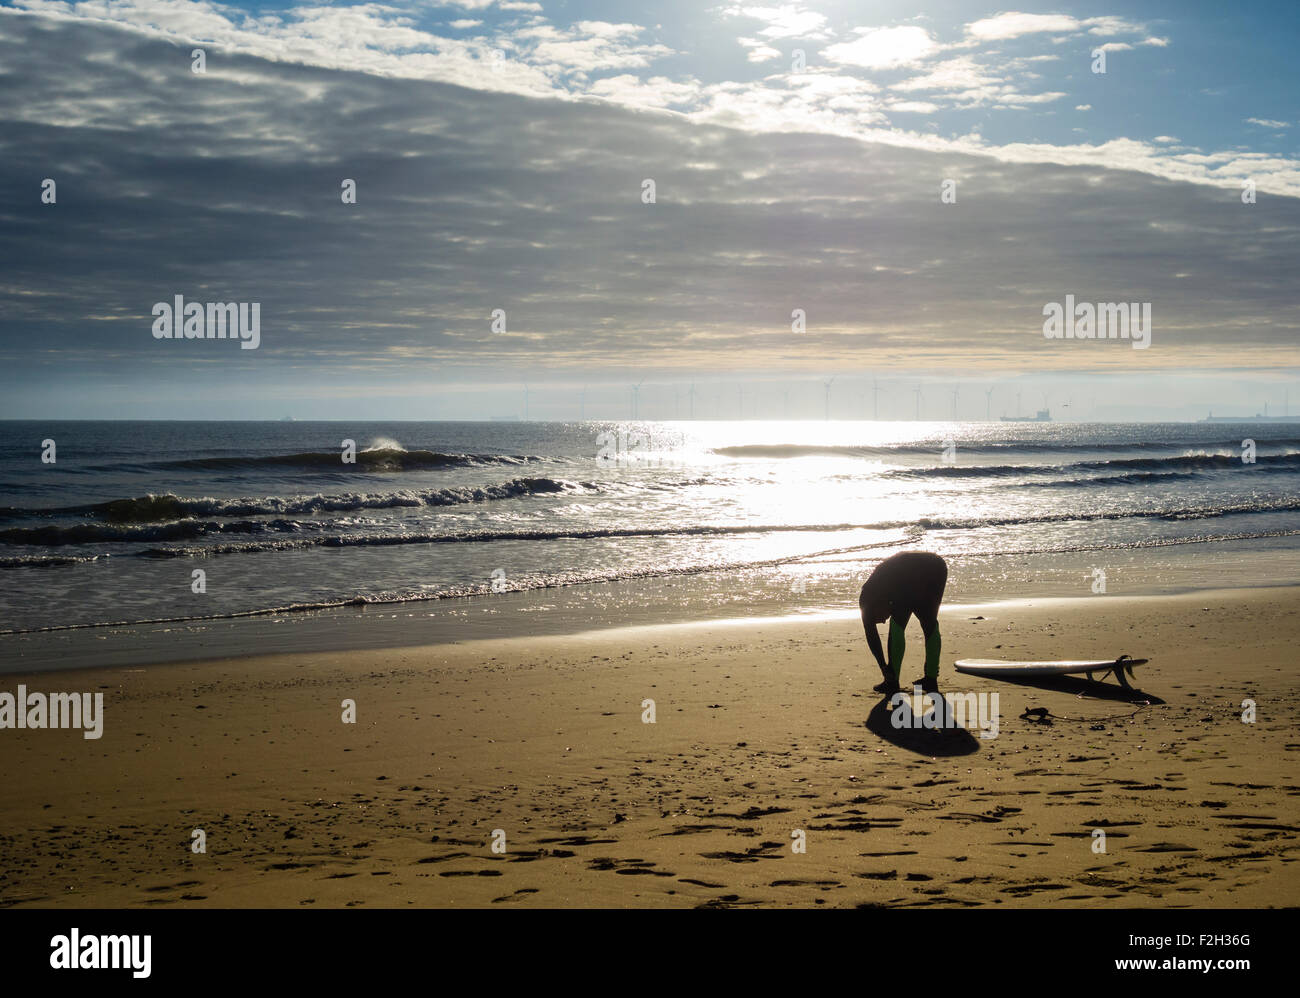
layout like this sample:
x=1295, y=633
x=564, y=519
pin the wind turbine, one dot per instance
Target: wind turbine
x=988, y=405
x=677, y=402
x=827, y=386
x=636, y=397
x=582, y=411
x=525, y=403
x=954, y=404
x=691, y=394
x=875, y=399
x=917, y=390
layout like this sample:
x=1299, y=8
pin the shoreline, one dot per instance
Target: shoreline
x=661, y=601
x=763, y=729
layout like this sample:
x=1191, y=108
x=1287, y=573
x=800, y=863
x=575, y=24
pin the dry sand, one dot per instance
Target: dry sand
x=761, y=730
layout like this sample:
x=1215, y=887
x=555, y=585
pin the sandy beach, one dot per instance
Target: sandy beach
x=762, y=731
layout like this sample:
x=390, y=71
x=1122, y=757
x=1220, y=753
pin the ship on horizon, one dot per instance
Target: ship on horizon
x=1043, y=416
x=1257, y=418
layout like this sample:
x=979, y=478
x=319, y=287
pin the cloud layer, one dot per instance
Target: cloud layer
x=226, y=186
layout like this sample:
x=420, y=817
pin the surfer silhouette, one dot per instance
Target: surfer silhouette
x=907, y=584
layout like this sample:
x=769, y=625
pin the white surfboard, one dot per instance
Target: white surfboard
x=994, y=668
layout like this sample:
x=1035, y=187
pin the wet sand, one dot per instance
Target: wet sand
x=762, y=731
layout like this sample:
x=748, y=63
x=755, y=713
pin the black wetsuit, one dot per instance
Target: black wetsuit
x=906, y=584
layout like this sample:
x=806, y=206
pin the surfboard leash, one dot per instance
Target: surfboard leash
x=1041, y=715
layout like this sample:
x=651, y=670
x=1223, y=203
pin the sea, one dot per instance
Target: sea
x=126, y=541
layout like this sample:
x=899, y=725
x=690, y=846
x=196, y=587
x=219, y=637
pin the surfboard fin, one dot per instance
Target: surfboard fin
x=1121, y=664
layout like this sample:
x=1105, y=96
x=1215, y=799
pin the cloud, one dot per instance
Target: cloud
x=883, y=48
x=1110, y=26
x=913, y=106
x=1013, y=25
x=810, y=101
x=1269, y=123
x=658, y=91
x=608, y=30
x=370, y=38
x=1083, y=107
x=587, y=46
x=789, y=20
x=960, y=74
x=758, y=50
x=966, y=82
x=1015, y=99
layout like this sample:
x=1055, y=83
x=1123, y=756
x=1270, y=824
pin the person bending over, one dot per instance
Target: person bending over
x=908, y=583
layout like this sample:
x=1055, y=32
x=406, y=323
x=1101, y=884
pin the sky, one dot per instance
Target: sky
x=884, y=194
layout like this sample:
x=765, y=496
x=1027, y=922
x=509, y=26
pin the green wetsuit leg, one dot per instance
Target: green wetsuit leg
x=897, y=645
x=933, y=643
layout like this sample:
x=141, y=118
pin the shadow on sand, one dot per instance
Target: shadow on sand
x=1093, y=689
x=921, y=740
